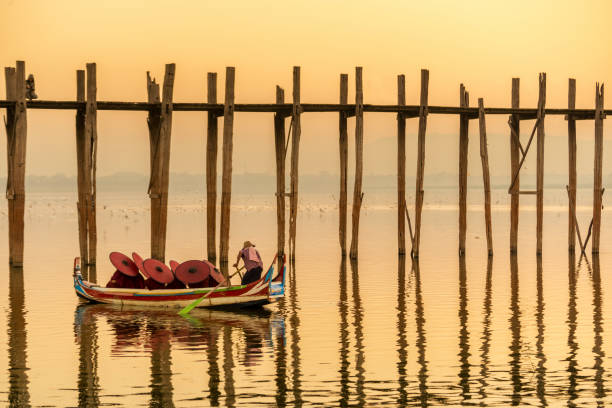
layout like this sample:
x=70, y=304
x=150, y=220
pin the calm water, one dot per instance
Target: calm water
x=473, y=331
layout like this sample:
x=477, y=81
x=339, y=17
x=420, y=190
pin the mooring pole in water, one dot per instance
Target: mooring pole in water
x=464, y=122
x=343, y=145
x=160, y=126
x=226, y=181
x=16, y=132
x=486, y=179
x=418, y=198
x=211, y=169
x=514, y=122
x=571, y=147
x=296, y=113
x=540, y=161
x=401, y=166
x=279, y=144
x=357, y=193
x=598, y=167
x=83, y=170
x=91, y=137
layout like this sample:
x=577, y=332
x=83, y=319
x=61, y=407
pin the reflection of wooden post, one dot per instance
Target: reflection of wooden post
x=211, y=170
x=343, y=162
x=484, y=157
x=418, y=205
x=295, y=155
x=228, y=146
x=16, y=131
x=91, y=136
x=401, y=166
x=357, y=194
x=597, y=183
x=514, y=167
x=82, y=171
x=160, y=126
x=279, y=143
x=18, y=393
x=571, y=142
x=464, y=123
x=540, y=163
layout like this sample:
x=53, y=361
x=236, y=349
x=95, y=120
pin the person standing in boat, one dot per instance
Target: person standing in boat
x=252, y=262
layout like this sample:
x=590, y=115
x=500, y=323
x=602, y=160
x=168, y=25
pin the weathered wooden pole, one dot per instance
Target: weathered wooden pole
x=228, y=146
x=295, y=155
x=160, y=126
x=464, y=123
x=16, y=132
x=515, y=126
x=540, y=162
x=486, y=179
x=598, y=167
x=571, y=147
x=91, y=137
x=83, y=172
x=418, y=198
x=211, y=170
x=401, y=166
x=343, y=141
x=357, y=193
x=279, y=144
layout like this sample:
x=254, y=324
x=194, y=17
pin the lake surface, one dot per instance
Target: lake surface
x=384, y=331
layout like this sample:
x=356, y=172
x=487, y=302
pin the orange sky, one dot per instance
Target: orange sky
x=480, y=43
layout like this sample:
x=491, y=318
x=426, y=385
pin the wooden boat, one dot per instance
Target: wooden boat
x=261, y=292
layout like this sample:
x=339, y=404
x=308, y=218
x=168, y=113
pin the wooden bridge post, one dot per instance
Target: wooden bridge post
x=91, y=137
x=211, y=170
x=540, y=162
x=160, y=126
x=514, y=166
x=571, y=141
x=357, y=193
x=83, y=171
x=418, y=205
x=16, y=132
x=343, y=142
x=484, y=157
x=279, y=144
x=401, y=166
x=598, y=167
x=295, y=154
x=228, y=146
x=464, y=123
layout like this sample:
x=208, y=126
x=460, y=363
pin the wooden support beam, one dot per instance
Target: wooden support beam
x=528, y=192
x=343, y=142
x=401, y=167
x=211, y=169
x=295, y=155
x=418, y=198
x=598, y=167
x=279, y=143
x=514, y=167
x=160, y=126
x=571, y=148
x=464, y=123
x=16, y=132
x=486, y=179
x=357, y=193
x=540, y=163
x=91, y=136
x=582, y=246
x=83, y=187
x=226, y=181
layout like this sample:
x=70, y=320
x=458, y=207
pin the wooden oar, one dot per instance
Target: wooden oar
x=196, y=302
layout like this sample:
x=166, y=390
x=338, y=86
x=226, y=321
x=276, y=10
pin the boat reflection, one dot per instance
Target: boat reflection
x=18, y=394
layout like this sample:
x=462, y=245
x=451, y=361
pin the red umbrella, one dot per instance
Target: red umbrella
x=123, y=264
x=139, y=262
x=173, y=266
x=192, y=272
x=158, y=271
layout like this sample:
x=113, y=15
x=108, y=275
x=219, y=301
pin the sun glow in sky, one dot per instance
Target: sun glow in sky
x=482, y=44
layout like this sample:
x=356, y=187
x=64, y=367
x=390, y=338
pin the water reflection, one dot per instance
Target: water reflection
x=294, y=320
x=541, y=368
x=420, y=340
x=464, y=334
x=344, y=336
x=358, y=323
x=86, y=332
x=598, y=352
x=572, y=315
x=402, y=342
x=515, y=329
x=18, y=394
x=486, y=332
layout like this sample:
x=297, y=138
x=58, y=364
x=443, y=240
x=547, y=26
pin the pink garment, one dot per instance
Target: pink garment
x=251, y=258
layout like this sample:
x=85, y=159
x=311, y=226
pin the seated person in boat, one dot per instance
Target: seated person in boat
x=126, y=276
x=252, y=262
x=160, y=276
x=198, y=274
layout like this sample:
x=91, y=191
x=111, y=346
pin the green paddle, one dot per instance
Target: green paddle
x=196, y=302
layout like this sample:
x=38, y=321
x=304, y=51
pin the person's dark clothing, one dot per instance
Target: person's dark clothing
x=252, y=275
x=122, y=281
